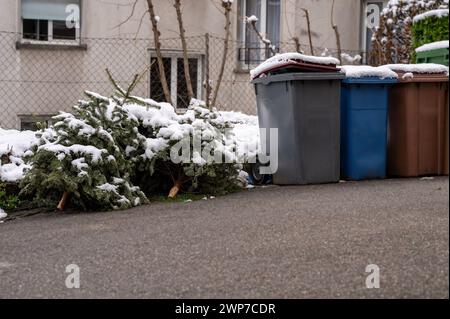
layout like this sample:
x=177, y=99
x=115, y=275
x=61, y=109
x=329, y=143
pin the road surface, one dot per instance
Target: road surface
x=273, y=242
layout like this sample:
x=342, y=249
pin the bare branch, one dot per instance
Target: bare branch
x=159, y=58
x=187, y=74
x=298, y=47
x=267, y=43
x=336, y=32
x=308, y=22
x=140, y=24
x=133, y=9
x=227, y=6
x=207, y=81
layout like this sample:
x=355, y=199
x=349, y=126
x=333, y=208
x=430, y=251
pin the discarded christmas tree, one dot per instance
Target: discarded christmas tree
x=85, y=163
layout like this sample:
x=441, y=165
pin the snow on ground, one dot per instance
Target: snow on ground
x=359, y=71
x=246, y=132
x=433, y=46
x=2, y=214
x=15, y=144
x=438, y=13
x=282, y=59
x=430, y=68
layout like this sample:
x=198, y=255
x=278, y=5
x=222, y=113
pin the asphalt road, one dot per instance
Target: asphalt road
x=274, y=242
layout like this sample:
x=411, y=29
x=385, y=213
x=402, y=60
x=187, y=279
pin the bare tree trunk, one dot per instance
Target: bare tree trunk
x=207, y=80
x=187, y=74
x=175, y=189
x=308, y=22
x=298, y=47
x=63, y=201
x=227, y=7
x=156, y=35
x=336, y=32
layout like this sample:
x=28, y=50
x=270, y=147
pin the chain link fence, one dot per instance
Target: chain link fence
x=38, y=80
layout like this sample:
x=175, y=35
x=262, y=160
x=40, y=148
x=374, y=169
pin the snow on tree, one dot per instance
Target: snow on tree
x=104, y=153
x=85, y=161
x=392, y=39
x=195, y=150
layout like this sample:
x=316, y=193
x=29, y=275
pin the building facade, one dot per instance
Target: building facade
x=53, y=50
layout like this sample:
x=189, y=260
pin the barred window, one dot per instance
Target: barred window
x=268, y=12
x=174, y=71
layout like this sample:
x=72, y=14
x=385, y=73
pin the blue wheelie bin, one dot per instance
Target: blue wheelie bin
x=364, y=118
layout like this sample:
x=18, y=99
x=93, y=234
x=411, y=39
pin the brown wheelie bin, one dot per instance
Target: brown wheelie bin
x=418, y=136
x=446, y=140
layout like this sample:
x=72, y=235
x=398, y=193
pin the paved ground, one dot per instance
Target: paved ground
x=275, y=242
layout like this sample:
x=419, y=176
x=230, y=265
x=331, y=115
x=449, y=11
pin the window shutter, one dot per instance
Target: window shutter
x=47, y=9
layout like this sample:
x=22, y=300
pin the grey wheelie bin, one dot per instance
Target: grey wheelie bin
x=305, y=108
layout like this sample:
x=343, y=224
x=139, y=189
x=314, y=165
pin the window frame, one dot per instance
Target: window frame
x=363, y=37
x=50, y=40
x=27, y=119
x=174, y=55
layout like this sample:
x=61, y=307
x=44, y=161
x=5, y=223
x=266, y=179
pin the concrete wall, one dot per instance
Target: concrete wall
x=43, y=81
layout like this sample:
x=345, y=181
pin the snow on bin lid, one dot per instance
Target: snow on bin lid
x=426, y=72
x=286, y=59
x=439, y=13
x=423, y=68
x=433, y=46
x=360, y=71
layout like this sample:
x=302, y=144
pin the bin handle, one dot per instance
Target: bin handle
x=265, y=81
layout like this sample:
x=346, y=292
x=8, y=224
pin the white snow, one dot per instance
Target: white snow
x=281, y=59
x=359, y=71
x=408, y=76
x=239, y=118
x=17, y=144
x=251, y=19
x=77, y=149
x=80, y=163
x=108, y=188
x=347, y=58
x=430, y=68
x=246, y=133
x=239, y=143
x=3, y=214
x=433, y=46
x=438, y=13
x=16, y=141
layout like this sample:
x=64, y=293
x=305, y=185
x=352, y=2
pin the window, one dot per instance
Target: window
x=174, y=70
x=268, y=12
x=371, y=20
x=34, y=122
x=51, y=20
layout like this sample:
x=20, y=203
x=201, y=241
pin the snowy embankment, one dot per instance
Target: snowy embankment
x=14, y=145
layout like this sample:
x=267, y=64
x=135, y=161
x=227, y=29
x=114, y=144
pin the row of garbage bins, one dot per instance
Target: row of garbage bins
x=353, y=122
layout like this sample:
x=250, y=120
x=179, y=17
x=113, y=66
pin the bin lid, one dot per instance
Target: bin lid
x=295, y=62
x=438, y=45
x=296, y=76
x=425, y=72
x=368, y=74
